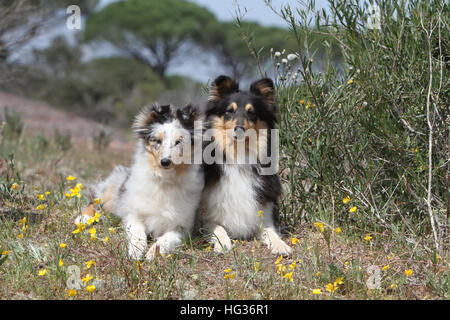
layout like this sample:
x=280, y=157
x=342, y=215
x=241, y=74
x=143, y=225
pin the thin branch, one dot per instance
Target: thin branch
x=430, y=134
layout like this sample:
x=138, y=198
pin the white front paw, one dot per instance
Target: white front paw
x=134, y=252
x=279, y=247
x=222, y=245
x=153, y=252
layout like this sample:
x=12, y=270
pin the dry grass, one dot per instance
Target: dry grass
x=193, y=271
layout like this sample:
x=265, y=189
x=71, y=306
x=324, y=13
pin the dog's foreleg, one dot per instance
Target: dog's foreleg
x=271, y=238
x=220, y=239
x=165, y=244
x=137, y=238
x=87, y=213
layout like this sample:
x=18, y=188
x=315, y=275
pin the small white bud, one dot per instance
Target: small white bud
x=277, y=54
x=291, y=56
x=284, y=60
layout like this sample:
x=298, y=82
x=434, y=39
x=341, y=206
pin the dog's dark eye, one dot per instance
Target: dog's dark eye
x=230, y=110
x=158, y=141
x=178, y=142
x=251, y=112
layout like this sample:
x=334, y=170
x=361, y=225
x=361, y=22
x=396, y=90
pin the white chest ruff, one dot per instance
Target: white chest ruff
x=162, y=206
x=232, y=203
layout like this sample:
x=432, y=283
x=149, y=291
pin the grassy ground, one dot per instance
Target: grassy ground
x=42, y=258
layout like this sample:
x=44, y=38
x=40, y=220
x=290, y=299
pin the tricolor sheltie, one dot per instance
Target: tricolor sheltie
x=239, y=201
x=159, y=194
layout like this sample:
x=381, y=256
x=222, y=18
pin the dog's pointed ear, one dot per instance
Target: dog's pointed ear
x=148, y=116
x=265, y=89
x=188, y=114
x=221, y=87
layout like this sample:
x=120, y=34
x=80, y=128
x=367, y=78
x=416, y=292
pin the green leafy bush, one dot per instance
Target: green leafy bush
x=360, y=129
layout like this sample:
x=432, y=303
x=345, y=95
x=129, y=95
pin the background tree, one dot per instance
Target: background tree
x=150, y=31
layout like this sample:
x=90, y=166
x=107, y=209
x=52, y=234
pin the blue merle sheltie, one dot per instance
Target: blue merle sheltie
x=159, y=194
x=239, y=201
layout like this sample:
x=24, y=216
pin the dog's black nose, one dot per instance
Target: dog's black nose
x=166, y=162
x=239, y=132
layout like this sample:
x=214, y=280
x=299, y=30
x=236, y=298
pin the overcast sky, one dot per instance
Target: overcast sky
x=257, y=10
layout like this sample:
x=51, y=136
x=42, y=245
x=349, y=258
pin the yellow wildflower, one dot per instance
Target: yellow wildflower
x=346, y=200
x=20, y=236
x=68, y=196
x=320, y=226
x=367, y=238
x=288, y=276
x=80, y=227
x=105, y=240
x=90, y=263
x=339, y=280
x=92, y=231
x=61, y=262
x=317, y=291
x=394, y=286
x=281, y=268
x=318, y=274
x=5, y=252
x=302, y=101
x=138, y=265
x=408, y=272
x=331, y=287
x=279, y=260
x=62, y=245
x=353, y=209
x=350, y=81
x=227, y=270
x=71, y=293
x=90, y=288
x=338, y=230
x=15, y=186
x=41, y=197
x=260, y=213
x=42, y=272
x=97, y=200
x=22, y=221
x=295, y=240
x=87, y=278
x=385, y=267
x=47, y=193
x=308, y=105
x=96, y=217
x=70, y=178
x=40, y=207
x=229, y=275
x=256, y=267
x=208, y=249
x=111, y=230
x=293, y=265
